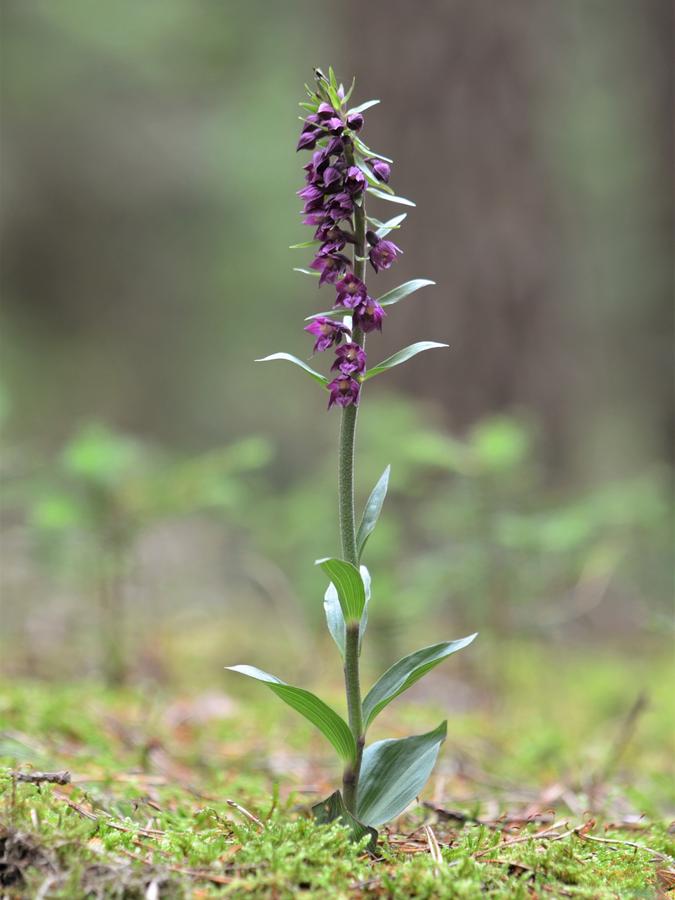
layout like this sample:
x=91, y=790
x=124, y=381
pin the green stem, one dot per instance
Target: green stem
x=350, y=780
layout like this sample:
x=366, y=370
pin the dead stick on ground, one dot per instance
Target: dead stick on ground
x=43, y=777
x=246, y=813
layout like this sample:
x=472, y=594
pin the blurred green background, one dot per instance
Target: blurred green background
x=163, y=497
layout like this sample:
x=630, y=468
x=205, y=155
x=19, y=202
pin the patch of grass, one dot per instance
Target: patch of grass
x=542, y=791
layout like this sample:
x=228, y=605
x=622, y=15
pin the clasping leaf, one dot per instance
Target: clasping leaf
x=350, y=588
x=393, y=772
x=336, y=620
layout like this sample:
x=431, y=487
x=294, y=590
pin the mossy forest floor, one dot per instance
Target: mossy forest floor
x=555, y=781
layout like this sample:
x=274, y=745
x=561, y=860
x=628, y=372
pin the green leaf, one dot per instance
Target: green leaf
x=329, y=723
x=393, y=773
x=298, y=362
x=403, y=290
x=401, y=356
x=385, y=227
x=329, y=312
x=362, y=107
x=405, y=673
x=370, y=178
x=372, y=510
x=350, y=91
x=303, y=245
x=334, y=617
x=376, y=192
x=365, y=149
x=349, y=585
x=307, y=272
x=333, y=809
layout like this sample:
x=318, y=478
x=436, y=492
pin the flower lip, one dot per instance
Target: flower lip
x=344, y=391
x=368, y=316
x=327, y=332
x=350, y=359
x=382, y=253
x=351, y=291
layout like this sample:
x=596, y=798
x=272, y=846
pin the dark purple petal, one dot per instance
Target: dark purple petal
x=383, y=253
x=344, y=391
x=335, y=146
x=368, y=316
x=355, y=180
x=307, y=141
x=350, y=359
x=310, y=192
x=355, y=121
x=327, y=332
x=351, y=291
x=331, y=265
x=335, y=125
x=380, y=169
x=325, y=111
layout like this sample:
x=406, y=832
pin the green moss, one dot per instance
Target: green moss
x=157, y=790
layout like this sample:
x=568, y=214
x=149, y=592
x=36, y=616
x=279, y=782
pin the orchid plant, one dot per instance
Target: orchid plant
x=379, y=780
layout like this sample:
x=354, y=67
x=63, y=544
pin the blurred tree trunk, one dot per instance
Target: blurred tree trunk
x=489, y=155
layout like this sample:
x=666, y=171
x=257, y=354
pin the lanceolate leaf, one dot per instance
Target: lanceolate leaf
x=329, y=723
x=403, y=290
x=333, y=809
x=365, y=149
x=298, y=362
x=362, y=107
x=303, y=245
x=372, y=510
x=349, y=585
x=376, y=192
x=405, y=673
x=393, y=773
x=384, y=229
x=401, y=356
x=334, y=618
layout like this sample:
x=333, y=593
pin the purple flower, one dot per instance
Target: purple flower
x=344, y=391
x=329, y=232
x=355, y=121
x=332, y=176
x=340, y=206
x=331, y=266
x=382, y=253
x=351, y=291
x=310, y=192
x=327, y=332
x=368, y=316
x=380, y=169
x=311, y=123
x=334, y=125
x=314, y=218
x=350, y=359
x=355, y=180
x=307, y=140
x=335, y=146
x=325, y=111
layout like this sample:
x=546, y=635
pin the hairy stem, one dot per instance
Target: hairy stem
x=350, y=780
